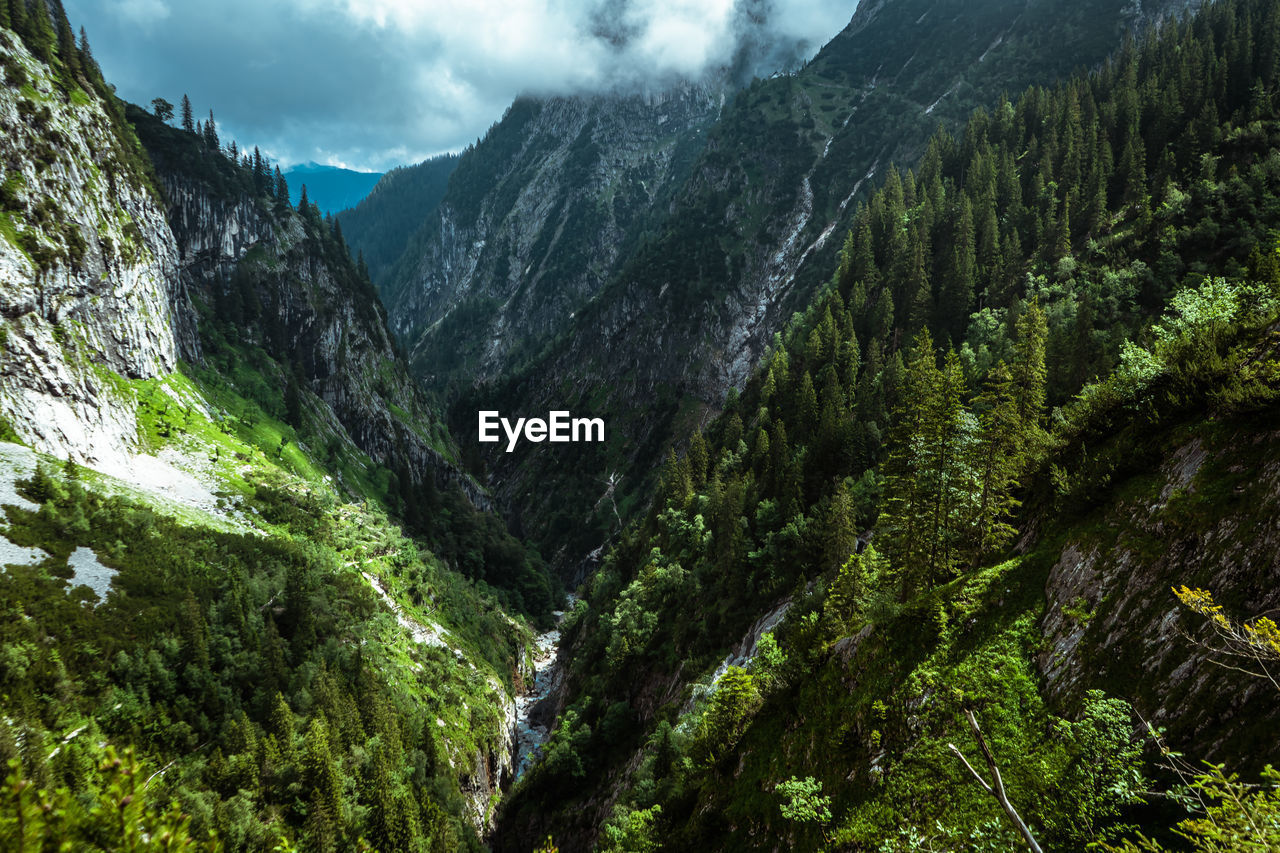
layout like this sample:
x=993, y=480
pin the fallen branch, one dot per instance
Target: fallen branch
x=996, y=787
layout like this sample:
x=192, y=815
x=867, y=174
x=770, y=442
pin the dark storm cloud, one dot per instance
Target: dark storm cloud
x=372, y=83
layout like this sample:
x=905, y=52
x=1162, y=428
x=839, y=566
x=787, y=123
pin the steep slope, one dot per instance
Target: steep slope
x=221, y=621
x=267, y=270
x=536, y=218
x=288, y=316
x=845, y=427
x=86, y=262
x=380, y=226
x=694, y=306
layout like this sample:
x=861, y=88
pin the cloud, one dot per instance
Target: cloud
x=142, y=12
x=371, y=83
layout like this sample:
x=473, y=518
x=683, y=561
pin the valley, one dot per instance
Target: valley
x=910, y=409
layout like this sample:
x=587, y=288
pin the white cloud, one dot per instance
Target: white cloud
x=374, y=82
x=142, y=12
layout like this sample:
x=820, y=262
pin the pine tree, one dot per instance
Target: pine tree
x=162, y=109
x=325, y=817
x=996, y=458
x=18, y=17
x=947, y=474
x=211, y=133
x=925, y=478
x=956, y=300
x=905, y=505
x=188, y=119
x=86, y=52
x=697, y=457
x=67, y=51
x=281, y=187
x=392, y=825
x=806, y=408
x=1028, y=374
x=839, y=530
x=259, y=172
x=41, y=37
x=282, y=726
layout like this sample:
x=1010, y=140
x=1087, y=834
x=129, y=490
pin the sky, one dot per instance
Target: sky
x=370, y=84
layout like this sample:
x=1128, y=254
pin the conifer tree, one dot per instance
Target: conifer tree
x=905, y=507
x=839, y=533
x=697, y=457
x=676, y=485
x=18, y=17
x=188, y=119
x=947, y=480
x=806, y=408
x=67, y=51
x=325, y=817
x=1028, y=375
x=995, y=460
x=211, y=133
x=259, y=172
x=86, y=52
x=162, y=109
x=925, y=481
x=956, y=299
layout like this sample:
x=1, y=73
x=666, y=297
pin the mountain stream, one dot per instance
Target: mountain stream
x=532, y=733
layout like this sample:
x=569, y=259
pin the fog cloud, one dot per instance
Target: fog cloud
x=372, y=83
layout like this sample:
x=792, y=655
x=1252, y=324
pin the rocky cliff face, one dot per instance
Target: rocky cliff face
x=1199, y=519
x=536, y=219
x=87, y=261
x=313, y=316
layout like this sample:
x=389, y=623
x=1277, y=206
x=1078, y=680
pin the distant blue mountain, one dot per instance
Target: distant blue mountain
x=330, y=187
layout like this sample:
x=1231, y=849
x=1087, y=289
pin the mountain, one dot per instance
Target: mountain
x=330, y=188
x=890, y=527
x=380, y=226
x=239, y=555
x=650, y=328
x=535, y=219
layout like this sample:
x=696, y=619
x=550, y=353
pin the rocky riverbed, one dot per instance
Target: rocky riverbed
x=532, y=728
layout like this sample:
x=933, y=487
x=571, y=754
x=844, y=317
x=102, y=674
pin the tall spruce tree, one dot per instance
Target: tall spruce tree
x=996, y=456
x=211, y=133
x=1029, y=375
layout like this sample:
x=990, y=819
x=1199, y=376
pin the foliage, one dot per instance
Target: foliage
x=803, y=801
x=635, y=833
x=258, y=669
x=114, y=811
x=1238, y=818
